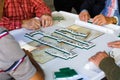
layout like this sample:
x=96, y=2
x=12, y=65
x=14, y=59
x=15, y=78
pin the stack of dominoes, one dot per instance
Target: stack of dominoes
x=66, y=74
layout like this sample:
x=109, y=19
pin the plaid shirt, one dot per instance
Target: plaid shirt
x=17, y=10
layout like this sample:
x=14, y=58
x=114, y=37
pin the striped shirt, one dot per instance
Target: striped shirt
x=15, y=65
x=110, y=8
x=17, y=10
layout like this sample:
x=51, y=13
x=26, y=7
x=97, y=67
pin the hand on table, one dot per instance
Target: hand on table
x=84, y=16
x=46, y=20
x=114, y=44
x=102, y=20
x=33, y=24
x=98, y=57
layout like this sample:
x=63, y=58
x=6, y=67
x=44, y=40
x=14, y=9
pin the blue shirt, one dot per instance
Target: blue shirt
x=111, y=10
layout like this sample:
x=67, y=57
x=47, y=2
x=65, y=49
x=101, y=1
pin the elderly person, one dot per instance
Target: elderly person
x=107, y=63
x=21, y=13
x=108, y=15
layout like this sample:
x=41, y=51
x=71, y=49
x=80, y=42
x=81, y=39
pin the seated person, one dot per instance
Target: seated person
x=67, y=5
x=14, y=62
x=109, y=15
x=92, y=7
x=22, y=13
x=107, y=63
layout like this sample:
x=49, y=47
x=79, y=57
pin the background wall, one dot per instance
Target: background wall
x=50, y=4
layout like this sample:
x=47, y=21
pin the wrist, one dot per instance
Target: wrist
x=47, y=14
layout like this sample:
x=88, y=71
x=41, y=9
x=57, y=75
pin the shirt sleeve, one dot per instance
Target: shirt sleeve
x=94, y=7
x=10, y=24
x=110, y=68
x=41, y=8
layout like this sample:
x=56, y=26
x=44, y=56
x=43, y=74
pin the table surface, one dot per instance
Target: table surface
x=78, y=62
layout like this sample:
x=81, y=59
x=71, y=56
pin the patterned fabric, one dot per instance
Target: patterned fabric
x=14, y=65
x=17, y=10
x=110, y=8
x=3, y=33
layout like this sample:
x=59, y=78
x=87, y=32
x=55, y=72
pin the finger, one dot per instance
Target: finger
x=82, y=15
x=92, y=58
x=37, y=26
x=114, y=42
x=37, y=22
x=115, y=46
x=51, y=23
x=43, y=22
x=85, y=18
x=30, y=27
x=99, y=22
x=95, y=21
x=110, y=44
x=46, y=23
x=82, y=18
x=102, y=23
x=34, y=26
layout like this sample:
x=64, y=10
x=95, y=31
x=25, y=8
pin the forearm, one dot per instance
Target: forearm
x=10, y=24
x=40, y=73
x=111, y=70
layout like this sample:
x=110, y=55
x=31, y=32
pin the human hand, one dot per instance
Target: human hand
x=31, y=24
x=84, y=16
x=114, y=44
x=102, y=20
x=98, y=57
x=46, y=20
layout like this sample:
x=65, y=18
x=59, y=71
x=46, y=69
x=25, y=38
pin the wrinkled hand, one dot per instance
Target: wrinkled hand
x=46, y=20
x=115, y=44
x=97, y=58
x=101, y=20
x=84, y=16
x=33, y=24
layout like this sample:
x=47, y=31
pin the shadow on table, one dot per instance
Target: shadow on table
x=104, y=78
